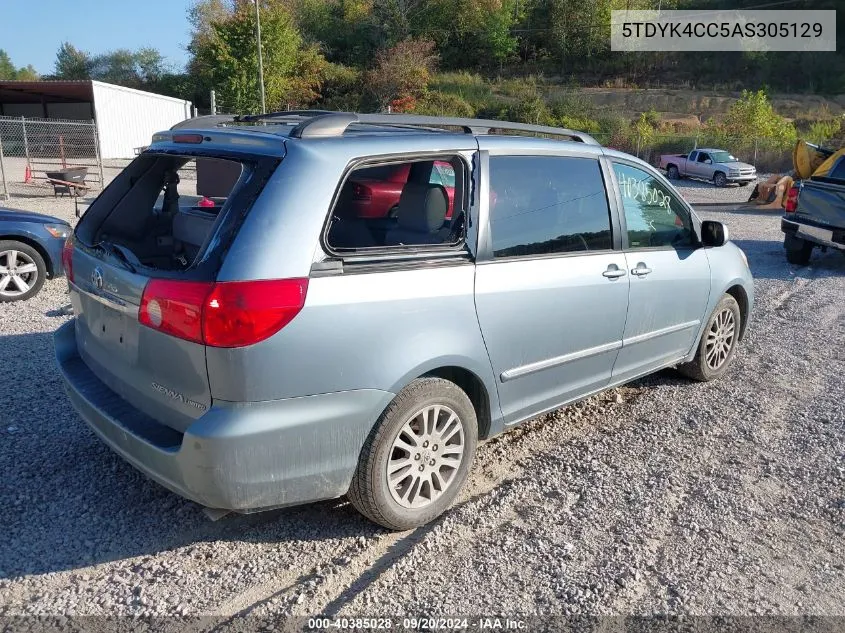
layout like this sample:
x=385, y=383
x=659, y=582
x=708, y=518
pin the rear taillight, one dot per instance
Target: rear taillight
x=226, y=314
x=239, y=313
x=174, y=307
x=67, y=258
x=361, y=192
x=792, y=199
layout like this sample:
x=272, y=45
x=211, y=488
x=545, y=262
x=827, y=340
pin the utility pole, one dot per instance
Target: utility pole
x=260, y=56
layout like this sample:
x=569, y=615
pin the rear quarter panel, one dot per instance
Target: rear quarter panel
x=362, y=329
x=376, y=330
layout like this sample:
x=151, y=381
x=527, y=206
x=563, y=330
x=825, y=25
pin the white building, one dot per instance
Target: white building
x=125, y=118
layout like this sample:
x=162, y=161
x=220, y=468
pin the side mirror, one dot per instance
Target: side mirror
x=707, y=161
x=714, y=233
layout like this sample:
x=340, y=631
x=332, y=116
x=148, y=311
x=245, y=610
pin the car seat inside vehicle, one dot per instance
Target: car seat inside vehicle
x=160, y=213
x=421, y=215
x=398, y=204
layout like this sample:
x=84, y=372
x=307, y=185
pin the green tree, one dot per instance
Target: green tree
x=402, y=73
x=7, y=68
x=647, y=126
x=72, y=63
x=752, y=116
x=202, y=14
x=9, y=71
x=225, y=57
x=397, y=18
x=28, y=73
x=821, y=131
x=150, y=65
x=347, y=31
x=135, y=69
x=116, y=67
x=469, y=33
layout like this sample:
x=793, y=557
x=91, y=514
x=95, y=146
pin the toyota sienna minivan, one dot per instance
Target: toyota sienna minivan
x=246, y=339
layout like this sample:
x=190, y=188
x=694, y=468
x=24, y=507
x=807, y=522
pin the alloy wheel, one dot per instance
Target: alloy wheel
x=18, y=273
x=720, y=339
x=425, y=456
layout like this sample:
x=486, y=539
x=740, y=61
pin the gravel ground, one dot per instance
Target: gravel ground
x=664, y=496
x=701, y=192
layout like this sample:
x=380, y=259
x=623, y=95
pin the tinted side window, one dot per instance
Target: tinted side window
x=547, y=204
x=653, y=214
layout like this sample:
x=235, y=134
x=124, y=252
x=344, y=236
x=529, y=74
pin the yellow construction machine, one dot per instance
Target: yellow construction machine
x=808, y=160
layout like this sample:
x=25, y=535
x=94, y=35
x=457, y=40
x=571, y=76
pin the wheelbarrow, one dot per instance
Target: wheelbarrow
x=70, y=180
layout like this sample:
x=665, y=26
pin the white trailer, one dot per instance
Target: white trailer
x=128, y=118
x=125, y=118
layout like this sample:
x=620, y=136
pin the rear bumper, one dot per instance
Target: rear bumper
x=810, y=232
x=237, y=456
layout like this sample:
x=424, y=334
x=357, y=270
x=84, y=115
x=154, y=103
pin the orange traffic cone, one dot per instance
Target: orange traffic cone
x=27, y=174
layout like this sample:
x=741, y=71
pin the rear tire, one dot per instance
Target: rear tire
x=417, y=457
x=798, y=251
x=22, y=271
x=718, y=342
x=720, y=180
x=672, y=173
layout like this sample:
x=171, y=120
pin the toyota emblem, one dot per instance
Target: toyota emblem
x=97, y=278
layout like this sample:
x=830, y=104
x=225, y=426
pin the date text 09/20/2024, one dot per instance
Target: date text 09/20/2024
x=415, y=624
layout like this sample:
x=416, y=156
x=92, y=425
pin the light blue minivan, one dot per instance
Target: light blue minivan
x=247, y=338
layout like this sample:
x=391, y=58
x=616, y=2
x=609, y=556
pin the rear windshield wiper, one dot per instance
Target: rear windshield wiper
x=120, y=252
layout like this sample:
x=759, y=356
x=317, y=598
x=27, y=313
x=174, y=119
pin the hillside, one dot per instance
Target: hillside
x=681, y=104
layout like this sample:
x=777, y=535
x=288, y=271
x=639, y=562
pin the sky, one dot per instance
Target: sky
x=31, y=32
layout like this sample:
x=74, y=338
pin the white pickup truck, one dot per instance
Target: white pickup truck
x=715, y=165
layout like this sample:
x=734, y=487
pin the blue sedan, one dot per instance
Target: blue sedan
x=30, y=252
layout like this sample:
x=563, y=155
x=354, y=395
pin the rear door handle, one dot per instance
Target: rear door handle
x=641, y=270
x=614, y=272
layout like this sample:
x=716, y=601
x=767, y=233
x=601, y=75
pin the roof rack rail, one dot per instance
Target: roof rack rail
x=287, y=114
x=326, y=123
x=335, y=124
x=215, y=120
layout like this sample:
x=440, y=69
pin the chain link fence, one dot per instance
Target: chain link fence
x=48, y=157
x=36, y=155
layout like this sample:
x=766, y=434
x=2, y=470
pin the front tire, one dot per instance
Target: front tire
x=720, y=180
x=718, y=342
x=798, y=251
x=417, y=457
x=22, y=271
